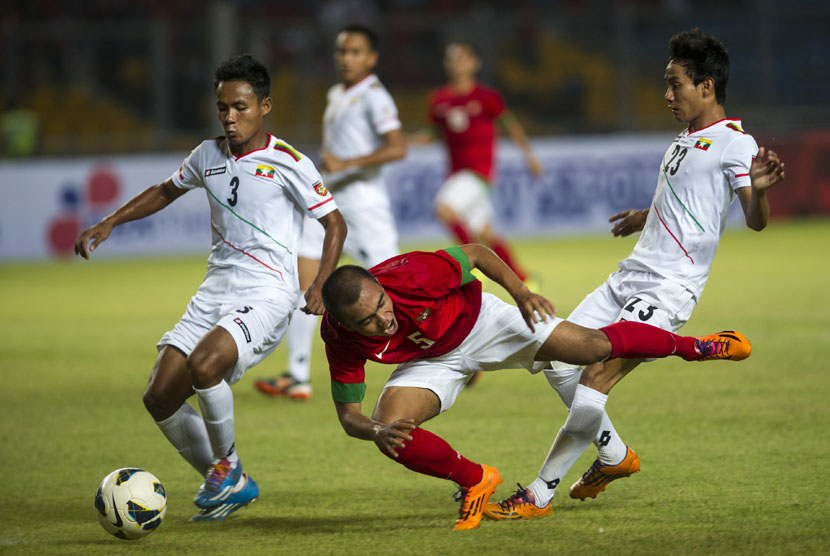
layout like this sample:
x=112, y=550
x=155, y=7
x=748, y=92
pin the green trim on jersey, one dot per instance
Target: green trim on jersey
x=251, y=224
x=348, y=393
x=505, y=119
x=461, y=257
x=692, y=216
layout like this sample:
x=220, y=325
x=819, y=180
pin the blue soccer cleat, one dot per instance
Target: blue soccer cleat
x=238, y=499
x=220, y=480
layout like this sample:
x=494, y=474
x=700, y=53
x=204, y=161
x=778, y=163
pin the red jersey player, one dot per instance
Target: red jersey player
x=426, y=313
x=465, y=114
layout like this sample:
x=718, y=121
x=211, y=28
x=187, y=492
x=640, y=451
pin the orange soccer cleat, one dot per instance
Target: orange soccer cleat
x=474, y=499
x=727, y=344
x=284, y=385
x=520, y=505
x=598, y=476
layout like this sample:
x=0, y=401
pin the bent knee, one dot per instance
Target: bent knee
x=203, y=372
x=160, y=405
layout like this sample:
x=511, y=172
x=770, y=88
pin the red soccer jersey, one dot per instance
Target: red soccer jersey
x=468, y=124
x=436, y=301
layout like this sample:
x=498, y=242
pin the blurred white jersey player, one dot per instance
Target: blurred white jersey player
x=706, y=167
x=259, y=189
x=361, y=131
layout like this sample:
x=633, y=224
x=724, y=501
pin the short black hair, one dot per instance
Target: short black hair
x=342, y=288
x=244, y=67
x=370, y=34
x=702, y=56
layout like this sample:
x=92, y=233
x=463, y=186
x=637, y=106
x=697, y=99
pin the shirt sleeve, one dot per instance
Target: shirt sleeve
x=189, y=175
x=382, y=110
x=346, y=366
x=426, y=275
x=736, y=160
x=306, y=186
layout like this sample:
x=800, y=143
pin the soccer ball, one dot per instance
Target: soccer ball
x=130, y=503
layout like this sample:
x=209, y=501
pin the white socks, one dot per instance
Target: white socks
x=216, y=404
x=587, y=408
x=611, y=449
x=186, y=431
x=298, y=339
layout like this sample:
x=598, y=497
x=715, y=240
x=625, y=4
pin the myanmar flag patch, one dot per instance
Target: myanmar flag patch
x=265, y=171
x=703, y=144
x=320, y=189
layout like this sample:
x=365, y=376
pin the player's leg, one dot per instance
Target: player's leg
x=500, y=248
x=168, y=388
x=429, y=454
x=459, y=198
x=211, y=359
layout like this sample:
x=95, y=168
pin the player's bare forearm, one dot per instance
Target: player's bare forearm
x=387, y=436
x=149, y=201
x=757, y=210
x=765, y=171
x=517, y=133
x=336, y=231
x=393, y=148
x=534, y=307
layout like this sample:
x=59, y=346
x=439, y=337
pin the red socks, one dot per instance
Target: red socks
x=635, y=340
x=460, y=232
x=432, y=455
x=500, y=249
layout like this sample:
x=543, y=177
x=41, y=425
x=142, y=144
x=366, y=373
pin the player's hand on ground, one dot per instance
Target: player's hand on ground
x=628, y=222
x=395, y=435
x=331, y=163
x=535, y=308
x=97, y=233
x=313, y=300
x=766, y=169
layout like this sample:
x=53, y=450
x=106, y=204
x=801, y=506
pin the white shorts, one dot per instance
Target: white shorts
x=636, y=296
x=256, y=324
x=468, y=195
x=500, y=339
x=372, y=235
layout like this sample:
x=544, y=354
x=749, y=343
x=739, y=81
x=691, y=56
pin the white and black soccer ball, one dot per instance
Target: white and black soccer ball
x=130, y=503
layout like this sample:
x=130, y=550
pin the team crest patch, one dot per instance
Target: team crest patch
x=215, y=171
x=265, y=171
x=703, y=144
x=320, y=189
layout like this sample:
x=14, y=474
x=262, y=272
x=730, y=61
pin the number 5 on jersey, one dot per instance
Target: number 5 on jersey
x=418, y=339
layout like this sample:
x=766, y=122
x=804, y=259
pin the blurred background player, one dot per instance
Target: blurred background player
x=259, y=189
x=708, y=164
x=361, y=131
x=425, y=312
x=465, y=113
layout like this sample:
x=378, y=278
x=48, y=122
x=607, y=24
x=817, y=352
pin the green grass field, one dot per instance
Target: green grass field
x=735, y=456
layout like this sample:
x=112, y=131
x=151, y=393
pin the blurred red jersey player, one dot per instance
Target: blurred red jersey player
x=465, y=114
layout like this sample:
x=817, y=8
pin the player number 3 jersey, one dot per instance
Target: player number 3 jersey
x=257, y=203
x=699, y=175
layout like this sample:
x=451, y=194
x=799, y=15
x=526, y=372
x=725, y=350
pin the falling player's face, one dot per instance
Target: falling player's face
x=460, y=62
x=372, y=314
x=686, y=100
x=353, y=57
x=241, y=114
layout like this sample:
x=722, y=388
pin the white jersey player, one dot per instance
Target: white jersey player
x=361, y=131
x=259, y=189
x=660, y=282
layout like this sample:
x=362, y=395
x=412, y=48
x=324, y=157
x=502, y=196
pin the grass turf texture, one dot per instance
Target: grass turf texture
x=734, y=455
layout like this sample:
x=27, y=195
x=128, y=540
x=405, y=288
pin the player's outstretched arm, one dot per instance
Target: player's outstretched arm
x=628, y=222
x=392, y=148
x=517, y=133
x=151, y=200
x=332, y=247
x=534, y=307
x=387, y=437
x=765, y=171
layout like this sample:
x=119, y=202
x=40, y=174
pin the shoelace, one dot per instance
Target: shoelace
x=218, y=472
x=520, y=497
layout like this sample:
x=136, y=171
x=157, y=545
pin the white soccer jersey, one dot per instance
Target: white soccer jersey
x=354, y=122
x=257, y=203
x=699, y=175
